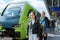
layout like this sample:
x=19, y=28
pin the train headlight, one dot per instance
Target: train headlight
x=17, y=25
x=0, y=26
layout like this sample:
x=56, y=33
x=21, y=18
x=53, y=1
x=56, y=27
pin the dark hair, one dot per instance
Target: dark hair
x=43, y=12
x=30, y=10
x=35, y=16
x=34, y=13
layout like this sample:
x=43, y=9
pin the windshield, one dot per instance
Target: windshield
x=13, y=9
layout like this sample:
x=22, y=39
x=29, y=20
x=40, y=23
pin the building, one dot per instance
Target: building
x=52, y=3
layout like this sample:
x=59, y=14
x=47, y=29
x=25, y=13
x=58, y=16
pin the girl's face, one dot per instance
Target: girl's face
x=32, y=15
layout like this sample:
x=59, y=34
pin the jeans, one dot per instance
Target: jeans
x=32, y=37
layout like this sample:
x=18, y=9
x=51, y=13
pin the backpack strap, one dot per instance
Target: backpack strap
x=42, y=21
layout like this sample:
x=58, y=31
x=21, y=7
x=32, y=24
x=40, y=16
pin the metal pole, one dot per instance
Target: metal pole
x=58, y=3
x=52, y=3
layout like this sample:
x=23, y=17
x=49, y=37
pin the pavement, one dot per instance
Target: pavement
x=6, y=38
x=53, y=35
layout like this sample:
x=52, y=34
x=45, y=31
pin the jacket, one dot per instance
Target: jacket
x=35, y=28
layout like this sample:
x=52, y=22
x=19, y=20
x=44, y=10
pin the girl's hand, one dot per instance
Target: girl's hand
x=44, y=35
x=26, y=36
x=37, y=38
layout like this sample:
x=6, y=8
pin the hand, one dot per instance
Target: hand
x=26, y=36
x=37, y=38
x=44, y=35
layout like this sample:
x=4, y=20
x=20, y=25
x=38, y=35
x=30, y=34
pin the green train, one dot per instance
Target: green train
x=13, y=20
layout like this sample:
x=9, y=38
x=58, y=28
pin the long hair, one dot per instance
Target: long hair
x=35, y=16
x=30, y=10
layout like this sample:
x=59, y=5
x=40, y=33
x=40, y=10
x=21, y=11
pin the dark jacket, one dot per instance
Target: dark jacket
x=47, y=22
x=36, y=29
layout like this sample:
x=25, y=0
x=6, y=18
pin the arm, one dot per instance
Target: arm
x=40, y=29
x=27, y=30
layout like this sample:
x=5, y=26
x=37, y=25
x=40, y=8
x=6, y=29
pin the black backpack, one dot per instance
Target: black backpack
x=47, y=22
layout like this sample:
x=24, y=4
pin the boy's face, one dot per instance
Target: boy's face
x=42, y=14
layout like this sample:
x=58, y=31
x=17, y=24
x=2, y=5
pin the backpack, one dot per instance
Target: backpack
x=47, y=22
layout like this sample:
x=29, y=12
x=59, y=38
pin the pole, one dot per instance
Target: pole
x=52, y=3
x=58, y=3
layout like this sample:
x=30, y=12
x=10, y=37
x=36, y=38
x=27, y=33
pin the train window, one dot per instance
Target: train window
x=12, y=10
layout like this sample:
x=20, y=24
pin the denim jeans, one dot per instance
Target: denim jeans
x=33, y=37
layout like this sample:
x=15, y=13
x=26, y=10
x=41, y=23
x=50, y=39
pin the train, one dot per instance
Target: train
x=14, y=20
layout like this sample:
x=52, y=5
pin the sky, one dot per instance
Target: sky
x=4, y=2
x=39, y=4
